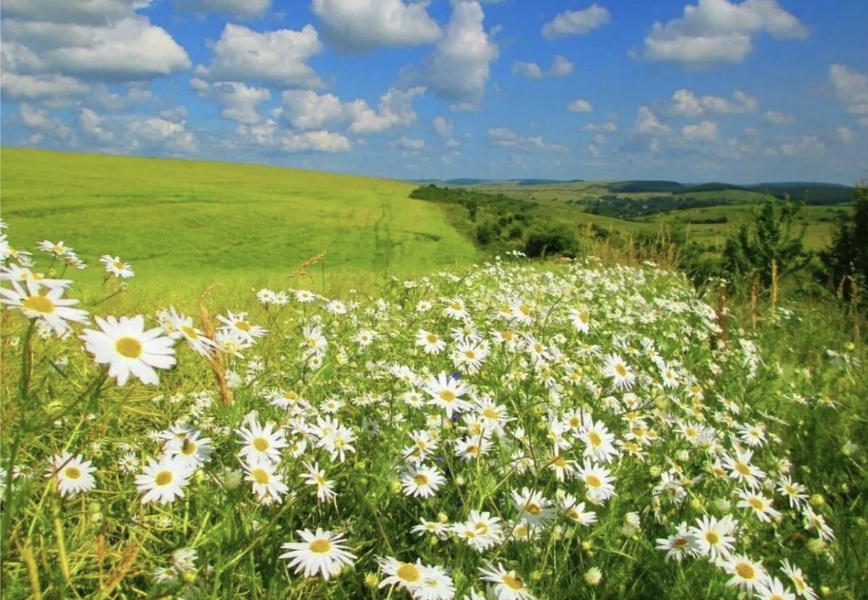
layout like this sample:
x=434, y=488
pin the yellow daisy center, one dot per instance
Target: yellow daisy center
x=593, y=481
x=189, y=447
x=621, y=370
x=190, y=332
x=39, y=304
x=742, y=469
x=679, y=543
x=72, y=472
x=261, y=476
x=745, y=571
x=164, y=478
x=408, y=573
x=532, y=508
x=490, y=413
x=512, y=582
x=595, y=439
x=129, y=347
x=320, y=546
x=420, y=479
x=559, y=462
x=712, y=538
x=756, y=503
x=447, y=395
x=243, y=325
x=261, y=444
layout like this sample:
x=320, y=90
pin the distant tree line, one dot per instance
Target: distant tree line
x=629, y=209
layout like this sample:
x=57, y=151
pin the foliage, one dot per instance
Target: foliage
x=767, y=245
x=846, y=259
x=551, y=239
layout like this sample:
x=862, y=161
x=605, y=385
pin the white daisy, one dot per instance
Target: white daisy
x=323, y=553
x=165, y=480
x=127, y=348
x=73, y=474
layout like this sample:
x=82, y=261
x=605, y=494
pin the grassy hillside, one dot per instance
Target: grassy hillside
x=172, y=218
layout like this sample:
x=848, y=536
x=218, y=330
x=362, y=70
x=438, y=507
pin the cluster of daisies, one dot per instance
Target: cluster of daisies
x=498, y=413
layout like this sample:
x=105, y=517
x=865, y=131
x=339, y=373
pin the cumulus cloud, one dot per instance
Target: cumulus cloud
x=442, y=126
x=686, y=103
x=561, y=67
x=41, y=121
x=704, y=131
x=576, y=22
x=395, y=109
x=608, y=127
x=844, y=134
x=79, y=12
x=809, y=144
x=269, y=134
x=152, y=132
x=305, y=109
x=237, y=101
x=647, y=123
x=40, y=87
x=129, y=49
x=714, y=32
x=409, y=144
x=460, y=65
x=92, y=125
x=243, y=9
x=276, y=57
x=580, y=105
x=778, y=117
x=503, y=137
x=354, y=26
x=851, y=88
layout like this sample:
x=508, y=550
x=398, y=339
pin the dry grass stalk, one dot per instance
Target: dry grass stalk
x=216, y=361
x=303, y=267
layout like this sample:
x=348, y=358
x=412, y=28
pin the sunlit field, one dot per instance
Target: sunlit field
x=507, y=430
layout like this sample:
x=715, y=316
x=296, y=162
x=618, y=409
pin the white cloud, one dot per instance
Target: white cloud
x=844, y=134
x=178, y=113
x=647, y=123
x=239, y=102
x=408, y=143
x=42, y=122
x=125, y=50
x=155, y=131
x=40, y=87
x=809, y=144
x=277, y=57
x=686, y=103
x=79, y=12
x=576, y=22
x=442, y=126
x=113, y=101
x=580, y=105
x=778, y=118
x=395, y=109
x=460, y=65
x=561, y=67
x=361, y=26
x=91, y=124
x=704, y=131
x=717, y=32
x=608, y=127
x=268, y=134
x=452, y=143
x=244, y=9
x=851, y=88
x=527, y=69
x=305, y=109
x=503, y=137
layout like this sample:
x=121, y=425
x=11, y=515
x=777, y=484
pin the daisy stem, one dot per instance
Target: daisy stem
x=32, y=570
x=61, y=544
x=26, y=363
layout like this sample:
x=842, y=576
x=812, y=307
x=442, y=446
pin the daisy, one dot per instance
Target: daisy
x=616, y=369
x=115, y=266
x=436, y=528
x=455, y=308
x=46, y=305
x=190, y=448
x=322, y=553
x=261, y=441
x=679, y=545
x=261, y=472
x=430, y=342
x=712, y=537
x=575, y=511
x=741, y=470
x=481, y=531
x=405, y=575
x=795, y=492
x=421, y=481
x=599, y=481
x=165, y=480
x=533, y=507
x=507, y=585
x=446, y=393
x=774, y=589
x=436, y=584
x=746, y=574
x=798, y=578
x=129, y=349
x=762, y=506
x=182, y=327
x=240, y=323
x=598, y=442
x=818, y=522
x=581, y=320
x=316, y=476
x=72, y=473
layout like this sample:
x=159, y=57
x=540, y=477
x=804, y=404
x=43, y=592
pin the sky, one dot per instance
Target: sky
x=700, y=90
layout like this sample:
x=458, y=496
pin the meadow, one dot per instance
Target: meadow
x=466, y=428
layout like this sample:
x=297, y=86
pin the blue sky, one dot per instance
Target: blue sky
x=750, y=91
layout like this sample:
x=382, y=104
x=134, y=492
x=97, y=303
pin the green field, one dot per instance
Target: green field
x=206, y=220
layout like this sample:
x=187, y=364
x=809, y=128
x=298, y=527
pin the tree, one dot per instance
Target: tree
x=551, y=239
x=846, y=258
x=768, y=243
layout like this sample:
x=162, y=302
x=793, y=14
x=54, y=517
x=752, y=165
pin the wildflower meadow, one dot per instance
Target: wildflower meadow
x=511, y=430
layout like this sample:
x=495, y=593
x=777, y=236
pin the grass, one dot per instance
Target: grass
x=205, y=221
